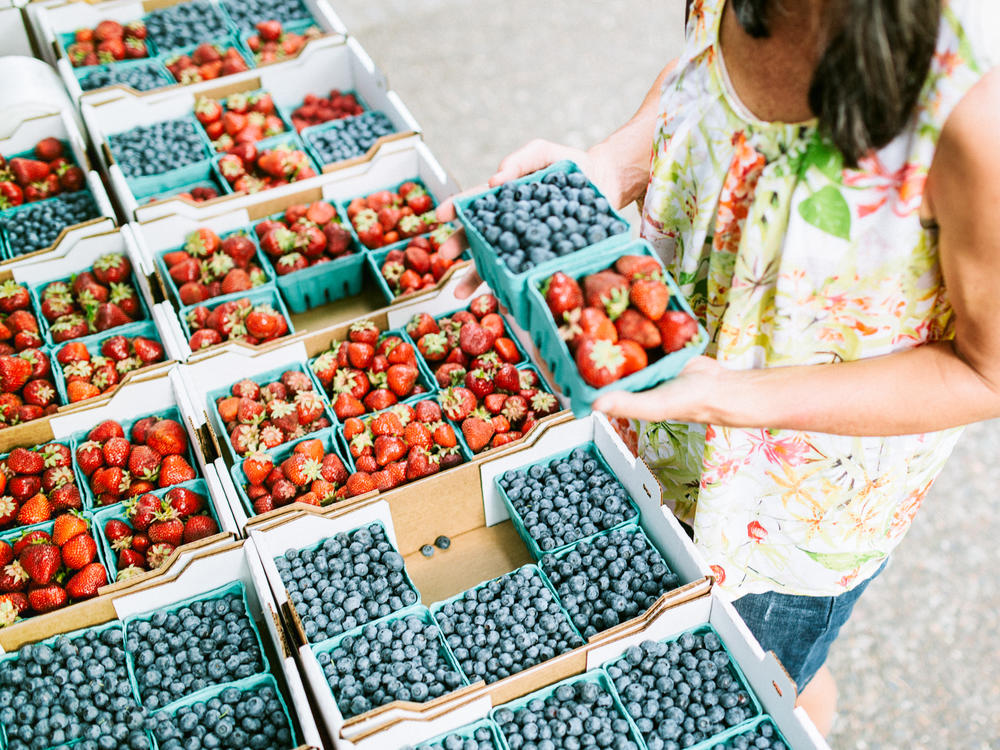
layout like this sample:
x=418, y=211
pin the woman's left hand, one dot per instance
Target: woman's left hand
x=687, y=398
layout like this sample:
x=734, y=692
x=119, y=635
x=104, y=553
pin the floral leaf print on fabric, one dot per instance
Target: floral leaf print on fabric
x=789, y=258
x=827, y=209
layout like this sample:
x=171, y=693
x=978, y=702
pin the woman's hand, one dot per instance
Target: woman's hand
x=687, y=398
x=536, y=155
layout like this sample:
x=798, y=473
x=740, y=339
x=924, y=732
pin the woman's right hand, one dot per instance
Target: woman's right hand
x=536, y=155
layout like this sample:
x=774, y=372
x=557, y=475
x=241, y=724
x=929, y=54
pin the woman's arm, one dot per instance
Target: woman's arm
x=928, y=388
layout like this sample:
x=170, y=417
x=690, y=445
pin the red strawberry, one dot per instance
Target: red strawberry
x=175, y=469
x=128, y=558
x=606, y=290
x=631, y=266
x=600, y=362
x=677, y=328
x=167, y=436
x=427, y=411
x=345, y=405
x=457, y=403
x=650, y=297
x=257, y=466
x=85, y=583
x=199, y=527
x=637, y=327
x=47, y=598
x=360, y=483
x=14, y=373
x=401, y=378
x=79, y=551
x=478, y=433
x=67, y=526
x=166, y=532
x=388, y=449
x=562, y=294
x=24, y=461
x=484, y=304
x=147, y=350
x=635, y=356
x=40, y=561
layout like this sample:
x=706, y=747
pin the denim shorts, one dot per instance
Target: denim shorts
x=799, y=629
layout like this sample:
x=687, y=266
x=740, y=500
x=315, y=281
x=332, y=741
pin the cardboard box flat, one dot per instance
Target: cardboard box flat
x=459, y=504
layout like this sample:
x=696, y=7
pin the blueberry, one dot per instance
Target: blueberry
x=364, y=581
x=427, y=550
x=442, y=542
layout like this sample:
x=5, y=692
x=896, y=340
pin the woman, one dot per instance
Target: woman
x=824, y=187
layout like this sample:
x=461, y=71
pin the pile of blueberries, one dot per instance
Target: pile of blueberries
x=350, y=137
x=185, y=24
x=682, y=692
x=575, y=715
x=140, y=76
x=610, y=579
x=567, y=500
x=481, y=738
x=348, y=580
x=154, y=149
x=72, y=689
x=397, y=659
x=529, y=223
x=506, y=625
x=234, y=719
x=764, y=736
x=179, y=652
x=247, y=13
x=36, y=226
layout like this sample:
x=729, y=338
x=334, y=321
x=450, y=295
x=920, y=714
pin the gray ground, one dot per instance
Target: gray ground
x=919, y=664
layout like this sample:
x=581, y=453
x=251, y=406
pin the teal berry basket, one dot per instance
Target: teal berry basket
x=259, y=258
x=117, y=512
x=312, y=136
x=78, y=438
x=545, y=333
x=424, y=377
x=285, y=123
x=632, y=529
x=289, y=140
x=267, y=294
x=11, y=216
x=725, y=740
x=507, y=285
x=463, y=447
x=343, y=205
x=236, y=587
x=209, y=179
x=300, y=26
x=754, y=707
x=246, y=685
x=241, y=21
x=518, y=520
x=532, y=569
x=37, y=290
x=468, y=733
x=417, y=610
x=161, y=75
x=261, y=379
x=223, y=42
x=53, y=641
x=146, y=185
x=411, y=586
x=597, y=676
x=66, y=39
x=330, y=444
x=12, y=535
x=376, y=258
x=146, y=329
x=79, y=478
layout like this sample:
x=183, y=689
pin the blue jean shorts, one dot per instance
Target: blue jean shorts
x=799, y=629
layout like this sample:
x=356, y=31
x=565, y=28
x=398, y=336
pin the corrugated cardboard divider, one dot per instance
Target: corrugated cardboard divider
x=155, y=576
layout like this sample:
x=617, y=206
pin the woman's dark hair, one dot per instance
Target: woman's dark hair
x=867, y=82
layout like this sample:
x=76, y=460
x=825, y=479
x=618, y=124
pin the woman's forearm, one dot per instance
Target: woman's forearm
x=625, y=154
x=920, y=390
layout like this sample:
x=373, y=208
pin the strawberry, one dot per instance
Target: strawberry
x=444, y=435
x=34, y=510
x=388, y=449
x=116, y=452
x=427, y=411
x=79, y=551
x=143, y=510
x=480, y=383
x=130, y=558
x=600, y=362
x=379, y=399
x=14, y=373
x=40, y=561
x=170, y=532
x=147, y=350
x=32, y=537
x=12, y=605
x=635, y=356
x=360, y=483
x=650, y=297
x=635, y=326
x=677, y=328
x=24, y=461
x=175, y=469
x=631, y=266
x=478, y=432
x=257, y=466
x=562, y=293
x=606, y=290
x=86, y=582
x=345, y=405
x=401, y=378
x=199, y=527
x=308, y=407
x=67, y=526
x=47, y=598
x=166, y=437
x=457, y=403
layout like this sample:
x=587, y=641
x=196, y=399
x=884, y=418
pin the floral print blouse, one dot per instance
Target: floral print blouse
x=791, y=258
